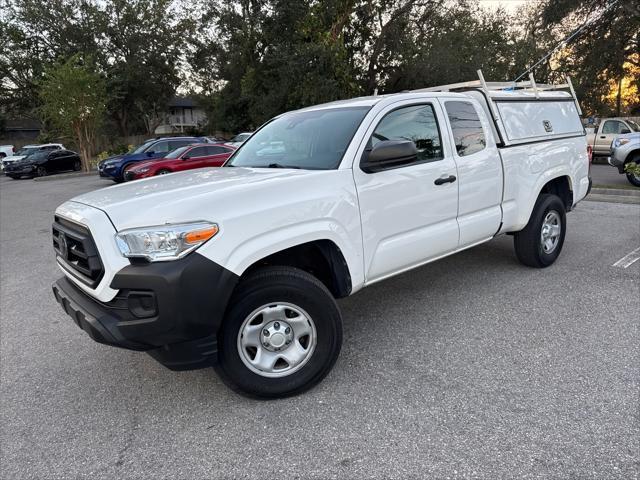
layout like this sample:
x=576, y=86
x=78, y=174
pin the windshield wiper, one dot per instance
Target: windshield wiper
x=279, y=165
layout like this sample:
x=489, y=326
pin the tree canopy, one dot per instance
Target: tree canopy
x=248, y=60
x=73, y=101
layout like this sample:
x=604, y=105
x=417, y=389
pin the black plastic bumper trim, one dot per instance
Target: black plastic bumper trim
x=191, y=297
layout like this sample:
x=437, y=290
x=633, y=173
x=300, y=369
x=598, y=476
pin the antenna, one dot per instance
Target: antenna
x=567, y=40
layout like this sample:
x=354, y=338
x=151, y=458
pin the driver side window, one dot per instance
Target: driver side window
x=416, y=123
x=612, y=126
x=160, y=147
x=197, y=152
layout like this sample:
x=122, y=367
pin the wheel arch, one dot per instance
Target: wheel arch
x=631, y=154
x=558, y=183
x=321, y=258
x=562, y=187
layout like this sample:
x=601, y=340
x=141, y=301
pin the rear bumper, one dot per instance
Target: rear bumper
x=172, y=310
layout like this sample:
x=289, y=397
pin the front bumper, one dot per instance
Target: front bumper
x=617, y=162
x=172, y=310
x=129, y=175
x=12, y=169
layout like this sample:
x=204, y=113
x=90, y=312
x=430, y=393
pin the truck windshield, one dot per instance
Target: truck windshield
x=634, y=126
x=311, y=140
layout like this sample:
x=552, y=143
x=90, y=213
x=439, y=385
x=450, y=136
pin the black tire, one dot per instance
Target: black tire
x=41, y=171
x=124, y=173
x=634, y=179
x=528, y=242
x=266, y=287
x=163, y=171
x=14, y=177
x=77, y=166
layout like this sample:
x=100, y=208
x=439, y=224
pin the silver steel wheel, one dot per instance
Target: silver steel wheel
x=277, y=340
x=550, y=233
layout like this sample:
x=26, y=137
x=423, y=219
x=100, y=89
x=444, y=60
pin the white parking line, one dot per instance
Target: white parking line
x=628, y=259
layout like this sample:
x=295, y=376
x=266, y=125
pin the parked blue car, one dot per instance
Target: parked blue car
x=114, y=167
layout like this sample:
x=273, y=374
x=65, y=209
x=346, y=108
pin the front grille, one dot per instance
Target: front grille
x=77, y=251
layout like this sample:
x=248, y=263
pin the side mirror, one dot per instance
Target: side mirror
x=389, y=154
x=625, y=130
x=150, y=153
x=186, y=157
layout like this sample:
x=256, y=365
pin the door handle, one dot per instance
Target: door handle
x=443, y=180
x=603, y=136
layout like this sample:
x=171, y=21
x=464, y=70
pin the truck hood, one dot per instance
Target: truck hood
x=210, y=191
x=633, y=136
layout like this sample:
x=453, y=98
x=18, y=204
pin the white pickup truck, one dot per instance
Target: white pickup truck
x=240, y=267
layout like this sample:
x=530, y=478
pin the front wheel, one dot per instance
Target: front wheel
x=163, y=171
x=634, y=178
x=41, y=172
x=540, y=242
x=282, y=334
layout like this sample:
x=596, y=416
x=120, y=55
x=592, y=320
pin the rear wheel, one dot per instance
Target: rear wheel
x=282, y=334
x=77, y=166
x=634, y=178
x=539, y=244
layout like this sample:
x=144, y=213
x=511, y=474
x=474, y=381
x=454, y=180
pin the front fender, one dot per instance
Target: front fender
x=254, y=248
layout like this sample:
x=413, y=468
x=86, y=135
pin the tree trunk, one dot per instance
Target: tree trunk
x=619, y=97
x=122, y=121
x=83, y=137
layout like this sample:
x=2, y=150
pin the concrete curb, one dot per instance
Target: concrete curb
x=595, y=197
x=62, y=176
x=614, y=195
x=620, y=192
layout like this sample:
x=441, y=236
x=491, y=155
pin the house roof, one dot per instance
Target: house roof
x=23, y=124
x=182, y=102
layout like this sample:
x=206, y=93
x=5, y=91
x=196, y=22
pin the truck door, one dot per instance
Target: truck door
x=480, y=176
x=607, y=134
x=408, y=212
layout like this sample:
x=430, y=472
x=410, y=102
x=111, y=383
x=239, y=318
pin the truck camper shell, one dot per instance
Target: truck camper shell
x=524, y=112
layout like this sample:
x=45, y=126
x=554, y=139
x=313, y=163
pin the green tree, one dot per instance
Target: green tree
x=603, y=53
x=73, y=102
x=142, y=51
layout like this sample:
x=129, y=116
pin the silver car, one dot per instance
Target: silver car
x=626, y=149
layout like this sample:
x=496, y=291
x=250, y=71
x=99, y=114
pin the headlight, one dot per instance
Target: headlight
x=618, y=142
x=142, y=170
x=165, y=242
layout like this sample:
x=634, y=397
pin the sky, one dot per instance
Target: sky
x=509, y=5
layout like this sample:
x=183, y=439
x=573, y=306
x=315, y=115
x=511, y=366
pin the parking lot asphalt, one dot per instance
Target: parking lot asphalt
x=470, y=367
x=606, y=175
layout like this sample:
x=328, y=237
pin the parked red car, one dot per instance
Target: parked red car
x=184, y=158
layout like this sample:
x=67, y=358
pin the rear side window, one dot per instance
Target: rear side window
x=416, y=123
x=467, y=128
